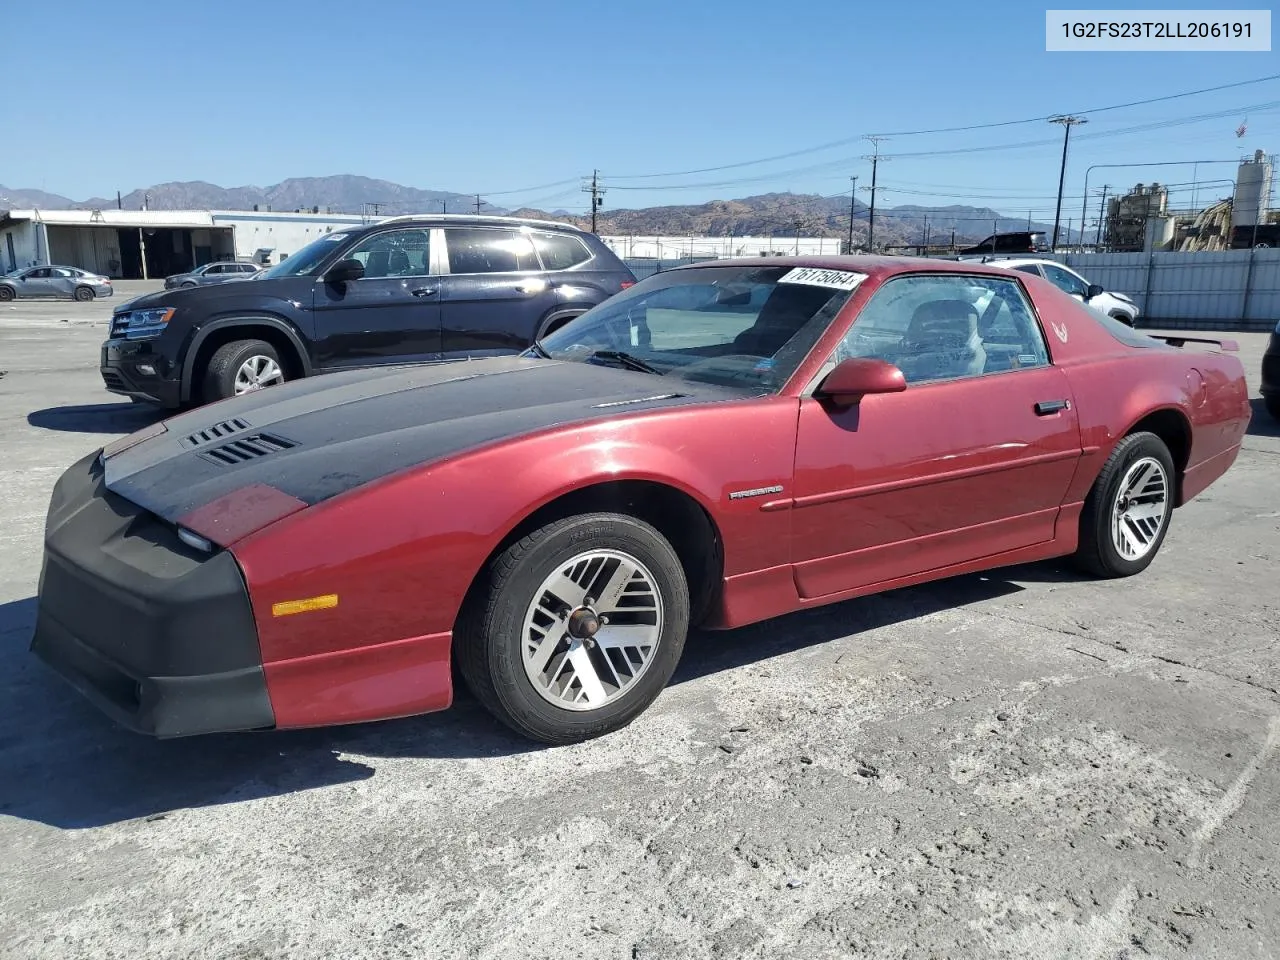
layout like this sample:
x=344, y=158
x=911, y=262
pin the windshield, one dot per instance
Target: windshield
x=746, y=328
x=308, y=258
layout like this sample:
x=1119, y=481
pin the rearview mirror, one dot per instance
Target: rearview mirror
x=344, y=271
x=857, y=377
x=1095, y=290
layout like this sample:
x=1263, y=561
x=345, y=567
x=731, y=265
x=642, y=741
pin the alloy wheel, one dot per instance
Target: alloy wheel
x=257, y=372
x=592, y=629
x=1140, y=508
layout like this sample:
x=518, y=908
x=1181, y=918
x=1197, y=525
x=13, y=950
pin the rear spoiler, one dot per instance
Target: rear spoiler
x=1230, y=346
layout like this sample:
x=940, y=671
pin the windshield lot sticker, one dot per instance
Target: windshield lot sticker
x=817, y=277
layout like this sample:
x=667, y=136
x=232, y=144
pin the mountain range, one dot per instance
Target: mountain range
x=771, y=214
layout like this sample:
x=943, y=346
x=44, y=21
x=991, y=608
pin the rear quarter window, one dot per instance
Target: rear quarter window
x=560, y=251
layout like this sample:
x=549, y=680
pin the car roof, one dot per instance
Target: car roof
x=875, y=267
x=479, y=219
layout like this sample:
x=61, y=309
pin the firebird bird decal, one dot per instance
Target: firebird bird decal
x=757, y=492
x=1060, y=329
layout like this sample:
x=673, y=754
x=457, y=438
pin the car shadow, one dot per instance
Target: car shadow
x=96, y=417
x=1262, y=424
x=66, y=765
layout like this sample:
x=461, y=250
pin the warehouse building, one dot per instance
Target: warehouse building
x=147, y=244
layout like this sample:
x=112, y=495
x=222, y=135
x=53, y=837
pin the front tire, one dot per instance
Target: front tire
x=1127, y=513
x=240, y=367
x=576, y=629
x=83, y=294
x=6, y=294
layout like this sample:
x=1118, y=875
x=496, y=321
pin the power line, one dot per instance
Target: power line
x=911, y=133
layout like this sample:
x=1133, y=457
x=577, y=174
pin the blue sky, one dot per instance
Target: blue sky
x=512, y=96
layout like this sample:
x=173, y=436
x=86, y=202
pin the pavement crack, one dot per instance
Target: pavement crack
x=1086, y=654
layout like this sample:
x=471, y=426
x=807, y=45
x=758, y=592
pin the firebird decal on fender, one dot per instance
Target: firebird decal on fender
x=757, y=492
x=1060, y=330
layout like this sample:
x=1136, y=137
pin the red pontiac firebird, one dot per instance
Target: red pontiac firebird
x=717, y=445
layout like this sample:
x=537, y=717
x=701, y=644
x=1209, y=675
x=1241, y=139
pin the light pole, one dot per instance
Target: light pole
x=1067, y=123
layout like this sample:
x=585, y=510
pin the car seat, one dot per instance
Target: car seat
x=786, y=311
x=942, y=342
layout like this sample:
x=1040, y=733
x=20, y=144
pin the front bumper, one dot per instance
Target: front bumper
x=159, y=636
x=1271, y=367
x=124, y=364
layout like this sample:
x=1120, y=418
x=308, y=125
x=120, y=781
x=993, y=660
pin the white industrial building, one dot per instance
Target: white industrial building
x=140, y=244
x=143, y=244
x=674, y=248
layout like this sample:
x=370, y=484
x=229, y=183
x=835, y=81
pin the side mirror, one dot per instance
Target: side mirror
x=857, y=377
x=344, y=271
x=1095, y=290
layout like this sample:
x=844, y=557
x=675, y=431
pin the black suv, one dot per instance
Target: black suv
x=404, y=290
x=1026, y=241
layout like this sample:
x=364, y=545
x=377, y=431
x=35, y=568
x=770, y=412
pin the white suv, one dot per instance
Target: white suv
x=1115, y=305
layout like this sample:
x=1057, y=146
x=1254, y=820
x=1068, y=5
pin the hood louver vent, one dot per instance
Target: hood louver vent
x=219, y=431
x=246, y=448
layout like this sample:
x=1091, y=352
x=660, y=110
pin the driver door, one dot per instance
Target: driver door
x=972, y=460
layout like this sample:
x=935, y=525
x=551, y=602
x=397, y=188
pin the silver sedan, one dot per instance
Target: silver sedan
x=62, y=283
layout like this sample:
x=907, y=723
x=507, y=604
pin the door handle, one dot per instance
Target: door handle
x=1046, y=407
x=423, y=291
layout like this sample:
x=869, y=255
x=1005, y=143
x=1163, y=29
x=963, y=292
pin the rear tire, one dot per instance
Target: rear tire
x=239, y=367
x=1127, y=513
x=587, y=683
x=6, y=294
x=83, y=294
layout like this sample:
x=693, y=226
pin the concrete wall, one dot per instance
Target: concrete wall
x=23, y=235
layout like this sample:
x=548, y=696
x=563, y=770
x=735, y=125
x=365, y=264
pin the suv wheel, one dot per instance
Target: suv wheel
x=242, y=366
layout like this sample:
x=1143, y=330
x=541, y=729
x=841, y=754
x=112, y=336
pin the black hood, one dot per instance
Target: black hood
x=321, y=436
x=213, y=293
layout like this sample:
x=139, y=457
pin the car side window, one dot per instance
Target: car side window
x=485, y=250
x=1031, y=268
x=560, y=251
x=215, y=270
x=947, y=328
x=1065, y=280
x=42, y=274
x=396, y=253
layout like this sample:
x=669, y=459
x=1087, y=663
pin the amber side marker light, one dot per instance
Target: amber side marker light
x=289, y=607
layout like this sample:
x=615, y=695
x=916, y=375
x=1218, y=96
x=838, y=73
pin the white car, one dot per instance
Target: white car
x=1115, y=305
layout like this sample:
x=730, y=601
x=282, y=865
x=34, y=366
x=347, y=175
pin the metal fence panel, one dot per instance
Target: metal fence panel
x=1226, y=289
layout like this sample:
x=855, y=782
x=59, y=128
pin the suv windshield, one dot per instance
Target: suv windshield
x=308, y=258
x=746, y=328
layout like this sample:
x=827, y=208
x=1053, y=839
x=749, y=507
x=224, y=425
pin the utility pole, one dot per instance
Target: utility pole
x=853, y=198
x=478, y=202
x=798, y=223
x=1102, y=212
x=444, y=206
x=871, y=215
x=1067, y=123
x=926, y=236
x=596, y=191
